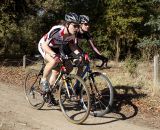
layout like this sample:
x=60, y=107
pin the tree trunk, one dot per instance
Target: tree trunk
x=117, y=41
x=6, y=49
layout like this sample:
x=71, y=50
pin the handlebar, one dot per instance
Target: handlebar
x=78, y=60
x=103, y=65
x=104, y=61
x=85, y=59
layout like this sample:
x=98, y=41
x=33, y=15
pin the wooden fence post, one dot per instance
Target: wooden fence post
x=156, y=76
x=24, y=61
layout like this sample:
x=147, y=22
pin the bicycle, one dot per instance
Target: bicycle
x=75, y=106
x=100, y=87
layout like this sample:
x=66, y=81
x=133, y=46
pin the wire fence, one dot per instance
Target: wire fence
x=22, y=62
x=11, y=62
x=156, y=72
x=37, y=60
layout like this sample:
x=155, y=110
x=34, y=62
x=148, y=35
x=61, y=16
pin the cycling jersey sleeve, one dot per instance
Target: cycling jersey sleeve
x=85, y=35
x=55, y=36
x=52, y=32
x=89, y=38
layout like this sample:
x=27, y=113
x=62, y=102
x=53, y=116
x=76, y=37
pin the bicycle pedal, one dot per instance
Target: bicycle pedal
x=74, y=98
x=97, y=102
x=31, y=93
x=45, y=98
x=50, y=105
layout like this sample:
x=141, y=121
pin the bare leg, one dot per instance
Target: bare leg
x=51, y=62
x=53, y=76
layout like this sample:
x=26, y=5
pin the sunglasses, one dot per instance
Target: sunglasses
x=86, y=24
x=75, y=25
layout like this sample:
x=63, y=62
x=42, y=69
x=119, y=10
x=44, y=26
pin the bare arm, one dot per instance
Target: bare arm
x=93, y=47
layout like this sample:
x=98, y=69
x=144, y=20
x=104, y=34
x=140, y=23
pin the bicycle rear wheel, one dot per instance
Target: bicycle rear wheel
x=33, y=90
x=74, y=99
x=101, y=92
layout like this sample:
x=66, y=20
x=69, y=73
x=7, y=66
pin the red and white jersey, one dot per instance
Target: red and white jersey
x=55, y=37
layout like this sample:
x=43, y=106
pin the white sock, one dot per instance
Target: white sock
x=43, y=79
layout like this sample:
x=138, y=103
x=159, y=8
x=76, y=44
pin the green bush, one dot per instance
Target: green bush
x=131, y=66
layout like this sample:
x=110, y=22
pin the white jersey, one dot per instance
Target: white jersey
x=55, y=37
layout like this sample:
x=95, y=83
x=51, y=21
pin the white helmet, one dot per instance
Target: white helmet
x=84, y=19
x=72, y=17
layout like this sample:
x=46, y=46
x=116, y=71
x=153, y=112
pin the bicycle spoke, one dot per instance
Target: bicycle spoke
x=102, y=93
x=76, y=106
x=32, y=89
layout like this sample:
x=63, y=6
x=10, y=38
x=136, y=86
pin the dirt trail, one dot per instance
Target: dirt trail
x=16, y=114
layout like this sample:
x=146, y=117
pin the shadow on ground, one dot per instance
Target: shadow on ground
x=123, y=100
x=123, y=107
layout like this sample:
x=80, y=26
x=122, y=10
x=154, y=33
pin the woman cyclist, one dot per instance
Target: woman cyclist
x=83, y=33
x=50, y=44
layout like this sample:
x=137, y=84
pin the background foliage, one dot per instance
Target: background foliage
x=121, y=28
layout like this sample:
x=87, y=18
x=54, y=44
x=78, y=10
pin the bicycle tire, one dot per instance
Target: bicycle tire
x=75, y=108
x=32, y=89
x=101, y=92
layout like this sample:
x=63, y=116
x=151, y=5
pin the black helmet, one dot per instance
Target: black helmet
x=84, y=19
x=72, y=17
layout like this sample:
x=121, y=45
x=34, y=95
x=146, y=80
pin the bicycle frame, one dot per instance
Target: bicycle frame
x=87, y=69
x=60, y=76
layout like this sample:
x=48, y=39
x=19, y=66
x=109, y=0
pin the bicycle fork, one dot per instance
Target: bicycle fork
x=70, y=87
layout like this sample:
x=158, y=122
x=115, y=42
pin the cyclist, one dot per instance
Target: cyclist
x=50, y=47
x=83, y=33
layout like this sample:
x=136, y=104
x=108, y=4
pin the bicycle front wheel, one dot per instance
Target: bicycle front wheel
x=101, y=92
x=74, y=99
x=33, y=90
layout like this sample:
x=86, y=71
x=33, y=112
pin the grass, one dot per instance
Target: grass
x=120, y=76
x=117, y=73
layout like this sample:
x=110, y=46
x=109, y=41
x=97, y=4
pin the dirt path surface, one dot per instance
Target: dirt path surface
x=16, y=114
